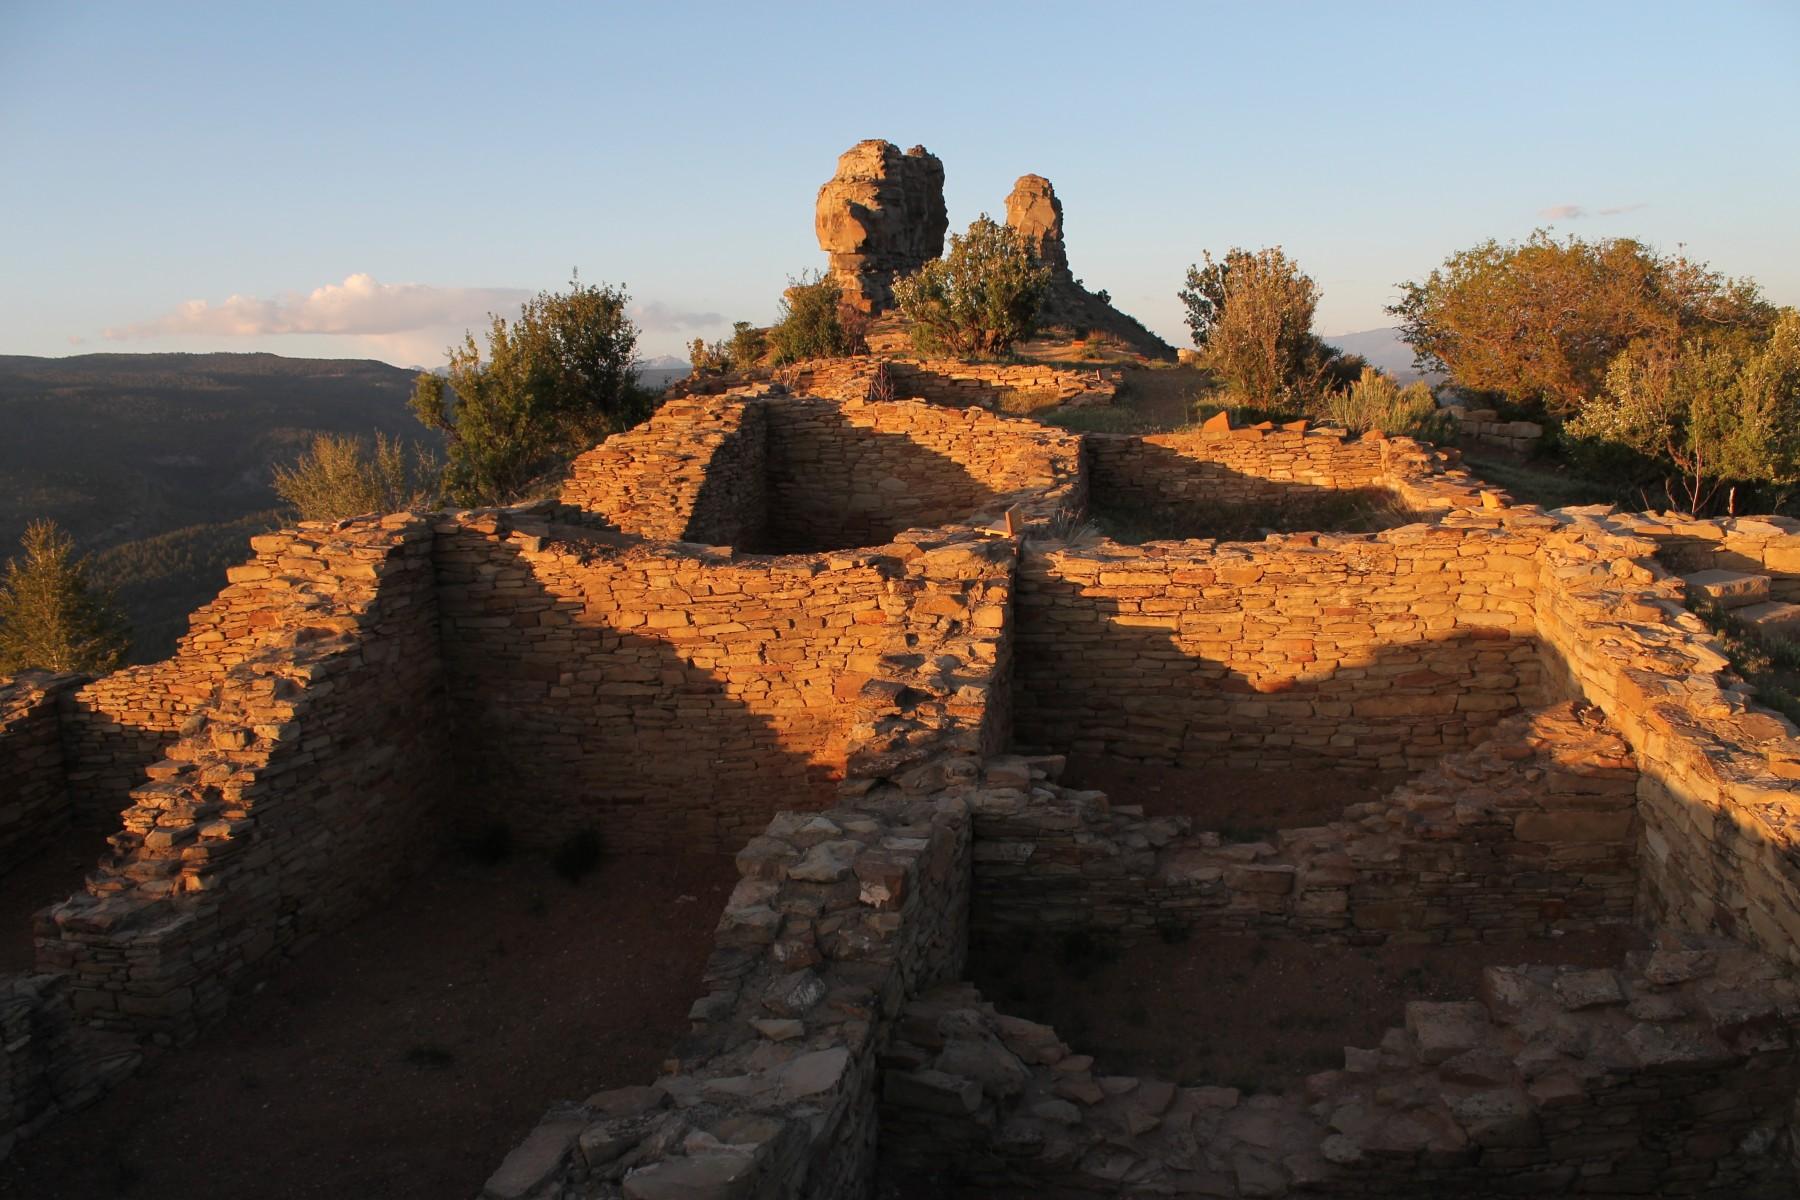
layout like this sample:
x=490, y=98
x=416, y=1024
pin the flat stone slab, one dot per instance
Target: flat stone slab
x=1727, y=589
x=1775, y=617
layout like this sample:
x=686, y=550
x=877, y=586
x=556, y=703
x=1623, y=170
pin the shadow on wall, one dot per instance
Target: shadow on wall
x=836, y=485
x=1090, y=679
x=1171, y=496
x=564, y=722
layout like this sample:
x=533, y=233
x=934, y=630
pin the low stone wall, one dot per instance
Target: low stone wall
x=1754, y=545
x=1717, y=799
x=296, y=799
x=1532, y=833
x=1674, y=1074
x=667, y=696
x=840, y=916
x=1289, y=473
x=955, y=383
x=35, y=802
x=766, y=472
x=117, y=725
x=1384, y=651
x=853, y=474
x=692, y=473
x=1483, y=426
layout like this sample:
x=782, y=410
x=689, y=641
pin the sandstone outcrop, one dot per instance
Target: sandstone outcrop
x=879, y=217
x=1034, y=211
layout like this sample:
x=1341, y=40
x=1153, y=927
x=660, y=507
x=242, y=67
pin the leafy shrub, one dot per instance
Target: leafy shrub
x=1714, y=410
x=340, y=477
x=576, y=856
x=978, y=299
x=1540, y=322
x=1376, y=402
x=555, y=381
x=812, y=323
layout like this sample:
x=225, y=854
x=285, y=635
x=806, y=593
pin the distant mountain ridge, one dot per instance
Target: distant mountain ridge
x=161, y=464
x=1384, y=349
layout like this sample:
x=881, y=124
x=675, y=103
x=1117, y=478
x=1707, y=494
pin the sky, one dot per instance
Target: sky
x=371, y=180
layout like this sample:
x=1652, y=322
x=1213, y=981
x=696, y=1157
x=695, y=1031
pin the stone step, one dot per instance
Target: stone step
x=1773, y=619
x=1727, y=589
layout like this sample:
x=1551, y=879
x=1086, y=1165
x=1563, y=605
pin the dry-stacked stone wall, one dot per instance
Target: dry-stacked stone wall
x=1531, y=833
x=1717, y=801
x=1672, y=1076
x=1753, y=545
x=692, y=473
x=673, y=697
x=36, y=801
x=765, y=472
x=956, y=383
x=1379, y=651
x=855, y=474
x=117, y=725
x=1286, y=476
x=295, y=800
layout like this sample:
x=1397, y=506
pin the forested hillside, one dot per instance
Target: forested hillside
x=160, y=464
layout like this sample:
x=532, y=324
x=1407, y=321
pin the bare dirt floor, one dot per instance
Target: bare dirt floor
x=1243, y=803
x=52, y=873
x=1241, y=1011
x=405, y=1055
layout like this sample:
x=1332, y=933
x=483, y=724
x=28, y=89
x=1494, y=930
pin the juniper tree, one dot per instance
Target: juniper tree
x=52, y=617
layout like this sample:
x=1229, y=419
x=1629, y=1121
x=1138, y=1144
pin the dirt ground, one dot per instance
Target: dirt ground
x=52, y=873
x=1242, y=802
x=1246, y=1012
x=404, y=1056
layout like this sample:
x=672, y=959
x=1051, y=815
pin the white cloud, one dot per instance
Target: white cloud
x=359, y=306
x=1575, y=212
x=656, y=317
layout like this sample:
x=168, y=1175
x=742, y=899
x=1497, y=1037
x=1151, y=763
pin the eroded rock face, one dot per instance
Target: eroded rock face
x=879, y=217
x=1033, y=209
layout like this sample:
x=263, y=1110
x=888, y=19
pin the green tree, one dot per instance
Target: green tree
x=980, y=298
x=1204, y=295
x=555, y=381
x=813, y=321
x=1715, y=410
x=1539, y=322
x=51, y=617
x=340, y=477
x=1260, y=340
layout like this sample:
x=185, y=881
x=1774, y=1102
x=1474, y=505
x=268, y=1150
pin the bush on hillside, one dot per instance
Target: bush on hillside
x=981, y=298
x=814, y=323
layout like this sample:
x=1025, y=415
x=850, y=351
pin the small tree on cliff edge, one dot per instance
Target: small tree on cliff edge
x=555, y=381
x=51, y=618
x=980, y=298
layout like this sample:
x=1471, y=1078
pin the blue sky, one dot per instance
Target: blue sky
x=311, y=160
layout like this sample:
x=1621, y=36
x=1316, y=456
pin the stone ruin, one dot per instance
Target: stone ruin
x=882, y=216
x=853, y=642
x=858, y=643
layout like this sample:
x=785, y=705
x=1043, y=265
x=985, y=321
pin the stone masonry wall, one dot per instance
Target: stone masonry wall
x=854, y=474
x=1532, y=833
x=692, y=473
x=1288, y=472
x=669, y=696
x=1756, y=545
x=1671, y=1076
x=955, y=383
x=34, y=802
x=295, y=800
x=1718, y=803
x=1383, y=651
x=117, y=725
